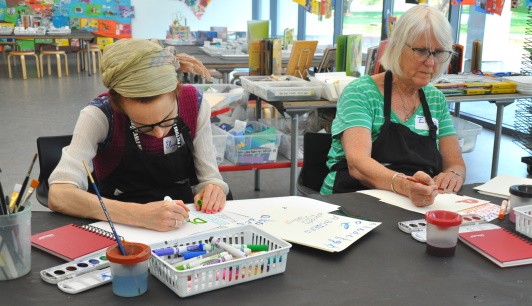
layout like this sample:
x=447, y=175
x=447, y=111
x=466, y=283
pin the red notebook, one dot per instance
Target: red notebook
x=501, y=246
x=73, y=241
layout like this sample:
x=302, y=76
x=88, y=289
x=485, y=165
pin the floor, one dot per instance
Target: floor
x=50, y=106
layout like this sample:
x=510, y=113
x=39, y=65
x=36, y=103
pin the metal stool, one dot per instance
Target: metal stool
x=23, y=55
x=57, y=54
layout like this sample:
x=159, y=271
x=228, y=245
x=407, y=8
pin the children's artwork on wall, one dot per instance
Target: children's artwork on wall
x=197, y=6
x=126, y=11
x=93, y=10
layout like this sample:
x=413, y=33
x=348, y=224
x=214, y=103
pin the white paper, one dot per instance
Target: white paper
x=499, y=186
x=444, y=201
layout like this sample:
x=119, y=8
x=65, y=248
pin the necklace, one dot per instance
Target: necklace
x=408, y=112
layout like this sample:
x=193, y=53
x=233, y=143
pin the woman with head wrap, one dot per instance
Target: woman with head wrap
x=145, y=139
x=394, y=124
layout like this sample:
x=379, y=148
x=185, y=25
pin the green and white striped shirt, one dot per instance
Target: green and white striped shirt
x=362, y=105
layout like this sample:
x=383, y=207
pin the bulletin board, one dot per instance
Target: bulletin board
x=102, y=17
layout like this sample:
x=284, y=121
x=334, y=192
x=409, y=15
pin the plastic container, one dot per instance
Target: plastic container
x=253, y=148
x=130, y=272
x=15, y=244
x=467, y=133
x=203, y=279
x=219, y=138
x=523, y=220
x=442, y=232
x=520, y=195
x=285, y=126
x=288, y=91
x=249, y=81
x=222, y=98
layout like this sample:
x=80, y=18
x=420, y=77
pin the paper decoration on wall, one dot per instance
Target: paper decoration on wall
x=197, y=6
x=489, y=6
x=111, y=28
x=317, y=7
x=520, y=6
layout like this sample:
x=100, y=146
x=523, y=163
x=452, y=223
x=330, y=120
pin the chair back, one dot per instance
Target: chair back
x=315, y=149
x=49, y=149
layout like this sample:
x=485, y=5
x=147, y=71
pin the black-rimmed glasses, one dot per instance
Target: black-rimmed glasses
x=148, y=127
x=423, y=54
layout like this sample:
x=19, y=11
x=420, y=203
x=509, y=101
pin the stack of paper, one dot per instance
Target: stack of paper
x=499, y=186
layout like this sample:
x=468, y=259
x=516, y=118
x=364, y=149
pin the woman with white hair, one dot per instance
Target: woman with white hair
x=147, y=138
x=393, y=130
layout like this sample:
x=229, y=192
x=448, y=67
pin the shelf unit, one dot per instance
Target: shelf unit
x=523, y=113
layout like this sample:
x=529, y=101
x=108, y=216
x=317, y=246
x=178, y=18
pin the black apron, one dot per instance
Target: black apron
x=143, y=177
x=397, y=147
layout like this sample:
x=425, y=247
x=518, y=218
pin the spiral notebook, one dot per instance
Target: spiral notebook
x=73, y=241
x=501, y=246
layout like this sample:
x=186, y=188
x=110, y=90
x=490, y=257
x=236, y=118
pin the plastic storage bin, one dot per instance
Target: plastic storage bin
x=288, y=91
x=523, y=220
x=222, y=95
x=253, y=148
x=467, y=133
x=202, y=279
x=249, y=81
x=284, y=126
x=219, y=138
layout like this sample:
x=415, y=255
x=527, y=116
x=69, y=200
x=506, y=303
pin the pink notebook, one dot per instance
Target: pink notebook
x=72, y=241
x=501, y=246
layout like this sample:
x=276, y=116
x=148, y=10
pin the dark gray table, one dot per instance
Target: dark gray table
x=386, y=267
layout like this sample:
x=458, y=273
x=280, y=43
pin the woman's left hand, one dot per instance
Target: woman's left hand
x=212, y=199
x=449, y=181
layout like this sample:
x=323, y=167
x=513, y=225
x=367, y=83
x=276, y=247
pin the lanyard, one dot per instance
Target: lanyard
x=137, y=139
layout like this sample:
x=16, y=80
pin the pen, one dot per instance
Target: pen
x=502, y=211
x=117, y=238
x=420, y=182
x=25, y=183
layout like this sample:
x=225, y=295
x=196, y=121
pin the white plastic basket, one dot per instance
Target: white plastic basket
x=467, y=133
x=202, y=279
x=523, y=220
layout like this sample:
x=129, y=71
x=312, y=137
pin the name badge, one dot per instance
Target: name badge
x=421, y=123
x=170, y=144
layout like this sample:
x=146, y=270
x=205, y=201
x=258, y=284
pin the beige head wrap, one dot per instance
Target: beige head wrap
x=138, y=68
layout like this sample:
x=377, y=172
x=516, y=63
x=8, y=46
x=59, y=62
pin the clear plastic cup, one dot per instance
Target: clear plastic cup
x=442, y=232
x=130, y=272
x=15, y=244
x=520, y=195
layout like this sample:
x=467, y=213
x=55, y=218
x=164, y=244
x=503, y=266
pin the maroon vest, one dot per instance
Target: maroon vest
x=111, y=150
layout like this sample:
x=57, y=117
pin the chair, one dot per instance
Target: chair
x=49, y=149
x=96, y=59
x=314, y=170
x=23, y=55
x=58, y=54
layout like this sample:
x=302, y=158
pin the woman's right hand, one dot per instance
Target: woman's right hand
x=163, y=215
x=422, y=195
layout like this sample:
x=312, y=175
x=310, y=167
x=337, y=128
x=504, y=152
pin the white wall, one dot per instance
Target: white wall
x=152, y=18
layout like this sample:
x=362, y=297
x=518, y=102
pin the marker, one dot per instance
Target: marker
x=217, y=260
x=169, y=199
x=197, y=261
x=227, y=247
x=502, y=211
x=183, y=249
x=189, y=255
x=252, y=247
